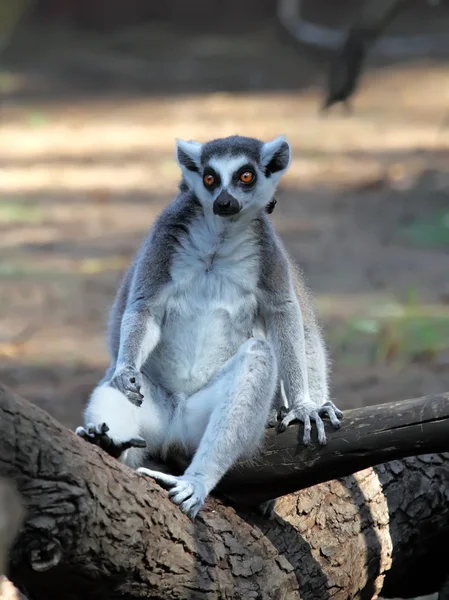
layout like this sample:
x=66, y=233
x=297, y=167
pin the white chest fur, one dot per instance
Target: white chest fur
x=216, y=265
x=210, y=305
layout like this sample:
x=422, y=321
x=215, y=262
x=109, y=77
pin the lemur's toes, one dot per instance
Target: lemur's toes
x=100, y=429
x=81, y=432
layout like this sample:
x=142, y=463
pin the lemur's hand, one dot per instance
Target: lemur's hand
x=98, y=435
x=128, y=380
x=308, y=411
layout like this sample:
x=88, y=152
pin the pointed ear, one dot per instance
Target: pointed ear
x=276, y=156
x=188, y=155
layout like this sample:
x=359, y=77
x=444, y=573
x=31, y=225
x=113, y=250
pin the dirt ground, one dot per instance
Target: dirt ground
x=87, y=161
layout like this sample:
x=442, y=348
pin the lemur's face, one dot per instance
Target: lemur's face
x=234, y=175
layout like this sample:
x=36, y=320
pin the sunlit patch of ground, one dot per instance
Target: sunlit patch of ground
x=84, y=175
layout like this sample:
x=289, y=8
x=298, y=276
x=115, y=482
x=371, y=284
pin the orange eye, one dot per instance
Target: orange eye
x=209, y=180
x=246, y=177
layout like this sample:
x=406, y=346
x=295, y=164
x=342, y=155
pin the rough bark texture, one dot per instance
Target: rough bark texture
x=95, y=529
x=11, y=515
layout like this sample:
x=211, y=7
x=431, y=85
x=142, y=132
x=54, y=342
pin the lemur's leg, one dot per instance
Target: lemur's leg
x=122, y=429
x=225, y=422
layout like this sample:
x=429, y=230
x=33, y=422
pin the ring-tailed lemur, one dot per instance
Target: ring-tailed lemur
x=211, y=328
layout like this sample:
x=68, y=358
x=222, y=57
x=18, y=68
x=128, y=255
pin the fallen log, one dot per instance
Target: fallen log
x=95, y=529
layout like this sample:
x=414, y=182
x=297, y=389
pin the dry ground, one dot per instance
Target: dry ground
x=87, y=162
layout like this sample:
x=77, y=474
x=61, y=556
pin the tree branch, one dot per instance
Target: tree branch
x=94, y=529
x=369, y=436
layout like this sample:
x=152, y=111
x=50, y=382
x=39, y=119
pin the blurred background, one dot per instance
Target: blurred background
x=93, y=94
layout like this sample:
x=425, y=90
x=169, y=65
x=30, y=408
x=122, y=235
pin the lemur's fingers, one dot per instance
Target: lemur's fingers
x=320, y=428
x=332, y=412
x=287, y=419
x=133, y=385
x=98, y=435
x=192, y=506
x=180, y=492
x=135, y=398
x=128, y=381
x=337, y=411
x=91, y=432
x=99, y=429
x=306, y=438
x=306, y=414
x=169, y=480
x=299, y=414
x=83, y=433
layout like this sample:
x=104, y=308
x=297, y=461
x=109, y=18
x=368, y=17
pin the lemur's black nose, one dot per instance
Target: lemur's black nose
x=226, y=205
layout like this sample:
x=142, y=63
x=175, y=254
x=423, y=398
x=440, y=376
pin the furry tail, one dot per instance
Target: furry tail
x=108, y=405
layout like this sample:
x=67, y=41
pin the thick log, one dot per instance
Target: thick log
x=95, y=529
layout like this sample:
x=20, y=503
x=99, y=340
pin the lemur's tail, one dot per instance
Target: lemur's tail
x=108, y=405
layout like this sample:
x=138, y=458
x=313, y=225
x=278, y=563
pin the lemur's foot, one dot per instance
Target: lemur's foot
x=98, y=435
x=309, y=411
x=128, y=381
x=187, y=491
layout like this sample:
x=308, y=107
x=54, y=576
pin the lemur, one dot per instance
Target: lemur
x=212, y=328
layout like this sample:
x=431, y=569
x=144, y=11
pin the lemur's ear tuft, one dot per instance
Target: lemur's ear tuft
x=188, y=155
x=276, y=156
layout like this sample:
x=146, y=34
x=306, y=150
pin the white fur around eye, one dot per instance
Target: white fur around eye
x=227, y=166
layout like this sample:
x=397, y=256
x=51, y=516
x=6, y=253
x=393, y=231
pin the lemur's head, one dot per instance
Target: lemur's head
x=234, y=175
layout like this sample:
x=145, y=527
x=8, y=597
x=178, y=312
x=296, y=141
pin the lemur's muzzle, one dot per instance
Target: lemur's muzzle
x=226, y=205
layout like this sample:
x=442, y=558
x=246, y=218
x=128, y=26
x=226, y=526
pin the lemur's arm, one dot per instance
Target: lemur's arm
x=284, y=319
x=138, y=330
x=285, y=330
x=139, y=335
x=135, y=325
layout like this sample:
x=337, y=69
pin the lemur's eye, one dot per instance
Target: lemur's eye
x=246, y=177
x=209, y=179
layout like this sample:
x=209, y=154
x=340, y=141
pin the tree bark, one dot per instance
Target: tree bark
x=11, y=515
x=94, y=529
